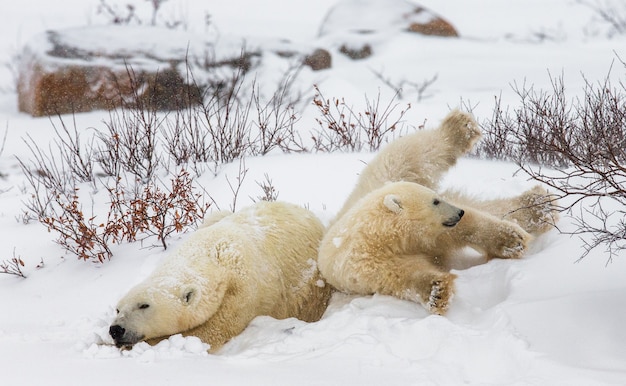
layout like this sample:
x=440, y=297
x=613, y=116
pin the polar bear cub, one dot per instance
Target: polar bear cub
x=395, y=235
x=395, y=240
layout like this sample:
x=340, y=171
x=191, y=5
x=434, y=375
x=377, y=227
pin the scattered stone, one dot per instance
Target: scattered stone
x=320, y=59
x=359, y=53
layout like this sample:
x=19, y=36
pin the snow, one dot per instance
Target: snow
x=543, y=320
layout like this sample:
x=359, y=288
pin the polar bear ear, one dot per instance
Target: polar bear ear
x=189, y=295
x=393, y=203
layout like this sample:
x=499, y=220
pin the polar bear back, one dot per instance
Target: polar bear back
x=269, y=248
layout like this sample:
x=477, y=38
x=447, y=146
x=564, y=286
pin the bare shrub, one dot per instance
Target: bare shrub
x=48, y=178
x=275, y=119
x=56, y=203
x=78, y=158
x=13, y=266
x=149, y=210
x=575, y=147
x=267, y=187
x=80, y=235
x=236, y=187
x=216, y=131
x=234, y=121
x=529, y=133
x=146, y=210
x=131, y=143
x=343, y=129
x=55, y=177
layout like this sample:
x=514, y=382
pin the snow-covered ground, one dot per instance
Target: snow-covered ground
x=543, y=320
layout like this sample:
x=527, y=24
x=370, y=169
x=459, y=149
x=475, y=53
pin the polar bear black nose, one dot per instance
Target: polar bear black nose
x=117, y=332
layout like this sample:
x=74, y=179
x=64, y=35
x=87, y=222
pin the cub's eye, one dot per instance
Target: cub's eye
x=143, y=306
x=117, y=311
x=436, y=202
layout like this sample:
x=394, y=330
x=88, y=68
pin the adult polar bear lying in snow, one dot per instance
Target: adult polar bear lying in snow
x=396, y=236
x=261, y=260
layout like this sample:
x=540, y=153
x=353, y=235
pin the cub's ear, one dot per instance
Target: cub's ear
x=393, y=203
x=189, y=295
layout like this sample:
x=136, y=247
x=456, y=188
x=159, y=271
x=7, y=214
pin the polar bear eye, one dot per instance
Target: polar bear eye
x=143, y=306
x=436, y=202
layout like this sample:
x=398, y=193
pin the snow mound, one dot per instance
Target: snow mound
x=374, y=330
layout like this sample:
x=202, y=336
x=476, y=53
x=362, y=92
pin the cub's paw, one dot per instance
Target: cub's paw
x=511, y=241
x=461, y=129
x=536, y=211
x=441, y=293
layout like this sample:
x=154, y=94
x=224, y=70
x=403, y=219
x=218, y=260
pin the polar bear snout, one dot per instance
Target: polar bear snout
x=117, y=332
x=453, y=220
x=122, y=337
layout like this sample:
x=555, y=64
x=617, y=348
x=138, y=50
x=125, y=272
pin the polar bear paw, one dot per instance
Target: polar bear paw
x=511, y=241
x=461, y=128
x=441, y=294
x=536, y=211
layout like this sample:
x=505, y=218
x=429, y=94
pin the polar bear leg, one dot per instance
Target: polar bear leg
x=534, y=210
x=413, y=278
x=487, y=234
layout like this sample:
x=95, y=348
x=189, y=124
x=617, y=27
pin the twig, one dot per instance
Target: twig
x=13, y=266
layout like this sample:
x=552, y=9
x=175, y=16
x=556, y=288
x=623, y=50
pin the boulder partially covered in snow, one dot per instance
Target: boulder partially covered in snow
x=89, y=68
x=356, y=24
x=379, y=16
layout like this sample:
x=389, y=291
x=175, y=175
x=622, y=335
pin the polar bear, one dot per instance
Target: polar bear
x=396, y=235
x=395, y=241
x=261, y=260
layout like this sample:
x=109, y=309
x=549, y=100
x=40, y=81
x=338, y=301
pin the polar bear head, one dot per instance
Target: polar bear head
x=167, y=303
x=408, y=203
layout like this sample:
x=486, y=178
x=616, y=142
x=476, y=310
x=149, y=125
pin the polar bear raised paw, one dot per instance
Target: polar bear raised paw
x=462, y=129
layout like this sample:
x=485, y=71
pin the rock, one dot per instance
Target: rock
x=382, y=17
x=362, y=52
x=84, y=69
x=425, y=22
x=320, y=59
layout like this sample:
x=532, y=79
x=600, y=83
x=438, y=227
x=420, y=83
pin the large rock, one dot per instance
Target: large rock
x=89, y=68
x=424, y=22
x=355, y=26
x=380, y=16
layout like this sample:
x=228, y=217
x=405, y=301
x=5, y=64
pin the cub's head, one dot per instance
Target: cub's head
x=413, y=203
x=165, y=305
